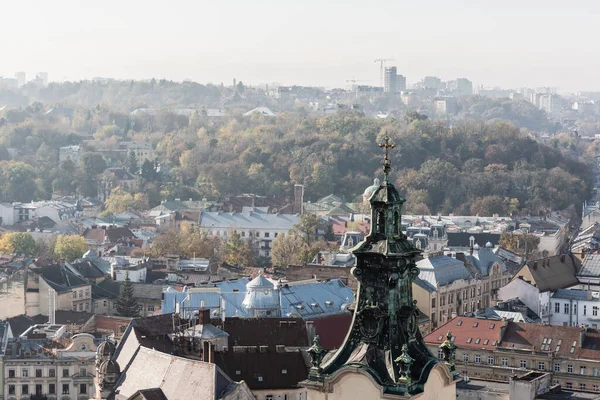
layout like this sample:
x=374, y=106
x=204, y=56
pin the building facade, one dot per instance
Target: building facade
x=35, y=365
x=498, y=350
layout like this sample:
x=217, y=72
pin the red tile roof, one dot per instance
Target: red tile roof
x=563, y=341
x=475, y=333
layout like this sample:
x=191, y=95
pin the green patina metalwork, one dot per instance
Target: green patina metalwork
x=449, y=350
x=384, y=334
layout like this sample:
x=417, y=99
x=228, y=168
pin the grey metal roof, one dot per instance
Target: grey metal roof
x=572, y=294
x=590, y=266
x=248, y=221
x=483, y=259
x=304, y=299
x=442, y=270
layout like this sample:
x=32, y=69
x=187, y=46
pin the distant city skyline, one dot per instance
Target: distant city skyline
x=510, y=44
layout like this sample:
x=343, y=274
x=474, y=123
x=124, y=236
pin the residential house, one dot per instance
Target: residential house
x=106, y=295
x=143, y=152
x=497, y=350
x=102, y=240
x=56, y=211
x=69, y=153
x=256, y=225
x=87, y=270
x=535, y=282
x=575, y=307
x=512, y=310
x=455, y=284
x=589, y=273
x=120, y=177
x=43, y=363
x=56, y=288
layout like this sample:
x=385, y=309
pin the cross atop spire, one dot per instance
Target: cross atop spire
x=387, y=165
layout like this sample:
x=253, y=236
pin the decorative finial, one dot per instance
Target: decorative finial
x=387, y=165
x=448, y=350
x=316, y=353
x=404, y=362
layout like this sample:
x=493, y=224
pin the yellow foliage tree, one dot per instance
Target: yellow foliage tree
x=70, y=247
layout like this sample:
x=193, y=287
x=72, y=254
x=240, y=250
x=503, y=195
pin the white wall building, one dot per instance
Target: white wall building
x=255, y=224
x=20, y=212
x=69, y=152
x=575, y=307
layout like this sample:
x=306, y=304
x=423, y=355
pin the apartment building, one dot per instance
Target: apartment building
x=43, y=363
x=498, y=349
x=458, y=283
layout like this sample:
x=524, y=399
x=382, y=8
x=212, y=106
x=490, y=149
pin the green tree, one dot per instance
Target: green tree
x=238, y=251
x=19, y=181
x=148, y=172
x=127, y=305
x=120, y=201
x=132, y=162
x=18, y=243
x=70, y=247
x=307, y=228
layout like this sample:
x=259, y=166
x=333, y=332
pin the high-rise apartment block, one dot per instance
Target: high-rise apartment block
x=393, y=83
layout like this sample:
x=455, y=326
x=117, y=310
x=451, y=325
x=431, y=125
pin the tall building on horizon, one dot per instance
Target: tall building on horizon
x=393, y=83
x=390, y=81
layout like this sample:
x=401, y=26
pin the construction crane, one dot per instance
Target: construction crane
x=382, y=62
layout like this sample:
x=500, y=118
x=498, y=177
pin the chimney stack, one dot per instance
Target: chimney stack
x=205, y=351
x=204, y=316
x=298, y=199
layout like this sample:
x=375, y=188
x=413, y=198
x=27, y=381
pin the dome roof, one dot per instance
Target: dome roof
x=109, y=367
x=106, y=349
x=371, y=189
x=260, y=282
x=489, y=245
x=476, y=247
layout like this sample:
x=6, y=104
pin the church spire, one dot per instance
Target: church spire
x=387, y=165
x=384, y=339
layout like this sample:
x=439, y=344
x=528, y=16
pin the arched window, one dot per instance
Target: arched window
x=397, y=228
x=381, y=222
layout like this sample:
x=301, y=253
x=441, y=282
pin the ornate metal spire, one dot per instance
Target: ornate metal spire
x=387, y=165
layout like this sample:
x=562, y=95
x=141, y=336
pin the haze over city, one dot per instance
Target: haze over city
x=509, y=44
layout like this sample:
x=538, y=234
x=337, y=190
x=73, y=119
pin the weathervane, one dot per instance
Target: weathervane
x=387, y=165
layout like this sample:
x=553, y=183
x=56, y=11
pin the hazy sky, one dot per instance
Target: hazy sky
x=508, y=43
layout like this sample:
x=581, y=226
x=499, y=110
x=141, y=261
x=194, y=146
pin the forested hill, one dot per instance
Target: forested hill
x=470, y=167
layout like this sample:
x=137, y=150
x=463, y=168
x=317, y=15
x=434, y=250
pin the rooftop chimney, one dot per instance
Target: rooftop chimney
x=204, y=316
x=205, y=351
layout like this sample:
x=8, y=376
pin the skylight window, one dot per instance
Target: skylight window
x=477, y=341
x=492, y=326
x=459, y=323
x=475, y=324
x=469, y=340
x=486, y=341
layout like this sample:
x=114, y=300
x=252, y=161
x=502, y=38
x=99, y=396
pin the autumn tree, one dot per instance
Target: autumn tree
x=520, y=243
x=70, y=247
x=17, y=243
x=287, y=250
x=237, y=251
x=120, y=201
